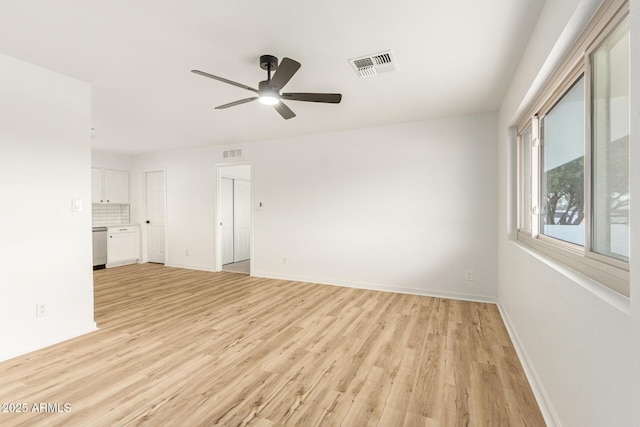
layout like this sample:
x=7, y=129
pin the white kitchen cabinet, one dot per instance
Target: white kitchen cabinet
x=97, y=185
x=123, y=245
x=116, y=186
x=109, y=186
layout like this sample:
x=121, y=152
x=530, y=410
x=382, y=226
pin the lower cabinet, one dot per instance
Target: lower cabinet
x=123, y=245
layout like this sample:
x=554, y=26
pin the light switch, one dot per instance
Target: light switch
x=76, y=205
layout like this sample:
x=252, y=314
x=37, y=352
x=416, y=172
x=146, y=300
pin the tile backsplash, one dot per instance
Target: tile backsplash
x=108, y=214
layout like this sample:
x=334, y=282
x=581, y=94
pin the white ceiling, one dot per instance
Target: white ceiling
x=454, y=57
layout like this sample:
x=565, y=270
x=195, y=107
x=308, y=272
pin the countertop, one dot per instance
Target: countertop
x=114, y=226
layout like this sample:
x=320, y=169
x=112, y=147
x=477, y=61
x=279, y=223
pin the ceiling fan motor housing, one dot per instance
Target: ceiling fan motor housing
x=263, y=85
x=267, y=94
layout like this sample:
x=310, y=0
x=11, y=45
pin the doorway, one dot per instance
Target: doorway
x=234, y=218
x=155, y=217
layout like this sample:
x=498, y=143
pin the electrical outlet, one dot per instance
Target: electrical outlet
x=468, y=276
x=41, y=309
x=186, y=252
x=285, y=260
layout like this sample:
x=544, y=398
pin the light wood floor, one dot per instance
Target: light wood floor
x=189, y=348
x=238, y=267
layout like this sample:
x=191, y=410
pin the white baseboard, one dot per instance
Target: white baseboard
x=378, y=287
x=19, y=350
x=191, y=267
x=550, y=417
x=121, y=263
x=354, y=284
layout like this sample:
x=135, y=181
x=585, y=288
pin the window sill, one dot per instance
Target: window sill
x=596, y=286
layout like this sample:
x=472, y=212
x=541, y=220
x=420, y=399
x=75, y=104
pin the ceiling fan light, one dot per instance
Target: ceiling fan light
x=268, y=99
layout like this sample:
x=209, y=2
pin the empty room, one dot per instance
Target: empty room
x=327, y=213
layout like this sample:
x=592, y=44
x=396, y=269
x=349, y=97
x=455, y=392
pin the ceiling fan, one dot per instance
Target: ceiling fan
x=269, y=90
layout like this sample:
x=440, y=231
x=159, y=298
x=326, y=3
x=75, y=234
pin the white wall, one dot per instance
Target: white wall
x=237, y=172
x=190, y=177
x=408, y=207
x=45, y=158
x=104, y=160
x=579, y=343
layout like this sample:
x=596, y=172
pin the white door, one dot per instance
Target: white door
x=226, y=220
x=241, y=220
x=155, y=216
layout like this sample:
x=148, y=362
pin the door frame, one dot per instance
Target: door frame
x=144, y=235
x=218, y=216
x=227, y=219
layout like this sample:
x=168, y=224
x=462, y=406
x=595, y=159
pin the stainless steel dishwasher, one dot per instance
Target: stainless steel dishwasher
x=99, y=247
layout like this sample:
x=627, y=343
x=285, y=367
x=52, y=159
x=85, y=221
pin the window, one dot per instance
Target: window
x=573, y=156
x=610, y=135
x=562, y=168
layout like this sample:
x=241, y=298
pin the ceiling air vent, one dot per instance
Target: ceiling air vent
x=371, y=65
x=232, y=154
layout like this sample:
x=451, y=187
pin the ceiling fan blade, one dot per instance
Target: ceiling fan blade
x=223, y=80
x=285, y=71
x=284, y=111
x=331, y=98
x=231, y=104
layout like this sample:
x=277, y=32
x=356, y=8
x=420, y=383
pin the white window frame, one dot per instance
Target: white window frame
x=612, y=273
x=521, y=183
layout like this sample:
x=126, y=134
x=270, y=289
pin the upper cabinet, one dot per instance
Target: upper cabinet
x=109, y=186
x=116, y=186
x=97, y=185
